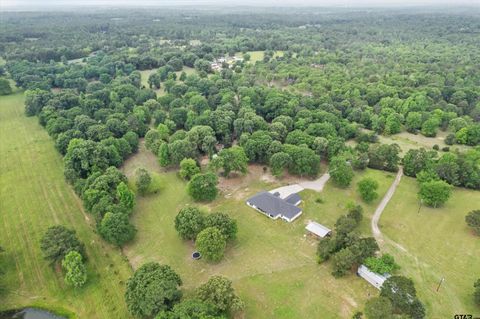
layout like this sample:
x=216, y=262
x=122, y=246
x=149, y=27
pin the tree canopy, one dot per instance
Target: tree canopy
x=58, y=241
x=151, y=289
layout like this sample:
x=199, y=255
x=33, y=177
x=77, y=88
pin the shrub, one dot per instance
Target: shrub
x=473, y=220
x=367, y=188
x=76, y=273
x=476, y=294
x=383, y=265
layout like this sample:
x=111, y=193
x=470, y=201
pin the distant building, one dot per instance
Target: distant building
x=318, y=229
x=274, y=207
x=373, y=278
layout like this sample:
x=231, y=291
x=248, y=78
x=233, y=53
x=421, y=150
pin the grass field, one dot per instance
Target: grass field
x=437, y=244
x=408, y=141
x=146, y=73
x=272, y=263
x=258, y=55
x=34, y=196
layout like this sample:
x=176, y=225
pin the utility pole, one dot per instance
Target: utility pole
x=440, y=283
x=419, y=206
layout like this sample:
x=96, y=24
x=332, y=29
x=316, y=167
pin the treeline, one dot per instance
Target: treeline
x=457, y=169
x=96, y=130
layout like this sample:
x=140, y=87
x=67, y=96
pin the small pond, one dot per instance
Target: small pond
x=29, y=313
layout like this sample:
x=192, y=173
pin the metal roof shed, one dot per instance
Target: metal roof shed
x=373, y=278
x=318, y=229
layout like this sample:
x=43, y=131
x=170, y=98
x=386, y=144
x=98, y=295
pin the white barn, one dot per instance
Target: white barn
x=373, y=278
x=318, y=229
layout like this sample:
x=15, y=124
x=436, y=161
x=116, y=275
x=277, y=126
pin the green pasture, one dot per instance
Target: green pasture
x=34, y=196
x=272, y=263
x=435, y=243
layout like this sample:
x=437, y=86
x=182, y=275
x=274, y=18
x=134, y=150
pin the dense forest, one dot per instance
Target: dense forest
x=325, y=88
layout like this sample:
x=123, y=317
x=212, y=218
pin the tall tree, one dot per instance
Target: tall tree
x=203, y=187
x=151, y=289
x=233, y=159
x=211, y=243
x=341, y=171
x=219, y=292
x=58, y=241
x=189, y=222
x=435, y=193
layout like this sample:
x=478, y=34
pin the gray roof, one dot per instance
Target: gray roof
x=293, y=199
x=273, y=205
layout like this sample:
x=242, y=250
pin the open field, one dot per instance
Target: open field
x=258, y=55
x=437, y=244
x=272, y=263
x=146, y=73
x=34, y=196
x=408, y=141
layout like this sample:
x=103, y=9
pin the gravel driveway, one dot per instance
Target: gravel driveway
x=316, y=185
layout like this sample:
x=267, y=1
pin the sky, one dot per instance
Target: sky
x=347, y=3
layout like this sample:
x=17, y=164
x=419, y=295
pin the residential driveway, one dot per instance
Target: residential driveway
x=285, y=191
x=316, y=185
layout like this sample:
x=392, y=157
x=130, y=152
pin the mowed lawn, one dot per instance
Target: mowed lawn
x=272, y=263
x=34, y=196
x=437, y=244
x=258, y=55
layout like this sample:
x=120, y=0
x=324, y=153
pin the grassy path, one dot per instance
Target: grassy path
x=34, y=196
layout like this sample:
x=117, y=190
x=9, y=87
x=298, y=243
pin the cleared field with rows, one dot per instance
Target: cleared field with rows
x=34, y=196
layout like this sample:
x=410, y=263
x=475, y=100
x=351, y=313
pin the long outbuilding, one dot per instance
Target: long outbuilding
x=318, y=229
x=373, y=278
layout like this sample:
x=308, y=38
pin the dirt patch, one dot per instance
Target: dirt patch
x=143, y=158
x=237, y=185
x=135, y=261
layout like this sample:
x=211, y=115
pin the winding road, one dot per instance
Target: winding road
x=380, y=208
x=319, y=184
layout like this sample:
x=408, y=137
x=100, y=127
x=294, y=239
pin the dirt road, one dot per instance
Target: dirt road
x=378, y=212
